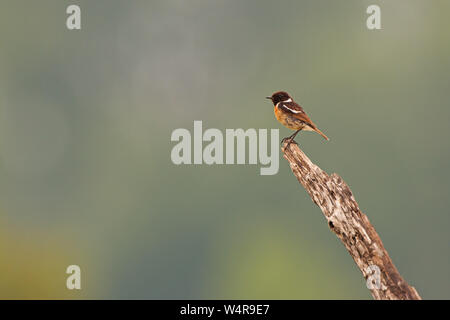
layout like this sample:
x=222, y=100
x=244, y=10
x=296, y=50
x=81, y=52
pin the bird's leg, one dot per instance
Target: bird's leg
x=291, y=138
x=287, y=138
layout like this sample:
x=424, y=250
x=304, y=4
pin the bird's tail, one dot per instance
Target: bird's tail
x=321, y=133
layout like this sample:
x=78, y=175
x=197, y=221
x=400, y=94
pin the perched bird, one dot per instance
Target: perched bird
x=291, y=115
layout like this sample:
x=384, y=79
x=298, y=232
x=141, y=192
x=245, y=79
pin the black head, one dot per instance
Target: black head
x=279, y=96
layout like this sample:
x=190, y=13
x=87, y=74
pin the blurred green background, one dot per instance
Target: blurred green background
x=85, y=124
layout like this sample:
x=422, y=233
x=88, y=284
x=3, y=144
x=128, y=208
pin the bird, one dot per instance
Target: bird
x=291, y=115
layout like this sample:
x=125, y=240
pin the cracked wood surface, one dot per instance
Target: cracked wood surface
x=333, y=196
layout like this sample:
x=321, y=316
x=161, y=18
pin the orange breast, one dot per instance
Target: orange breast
x=287, y=120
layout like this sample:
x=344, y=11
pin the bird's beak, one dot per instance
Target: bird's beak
x=269, y=98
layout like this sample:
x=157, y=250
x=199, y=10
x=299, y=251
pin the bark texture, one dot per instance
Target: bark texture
x=351, y=226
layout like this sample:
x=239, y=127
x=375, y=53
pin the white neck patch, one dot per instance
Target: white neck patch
x=288, y=100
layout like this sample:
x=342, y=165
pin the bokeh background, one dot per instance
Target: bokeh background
x=85, y=124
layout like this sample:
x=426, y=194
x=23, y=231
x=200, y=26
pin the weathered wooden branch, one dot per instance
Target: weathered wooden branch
x=351, y=226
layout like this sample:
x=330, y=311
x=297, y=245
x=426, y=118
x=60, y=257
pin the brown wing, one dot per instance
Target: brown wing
x=296, y=111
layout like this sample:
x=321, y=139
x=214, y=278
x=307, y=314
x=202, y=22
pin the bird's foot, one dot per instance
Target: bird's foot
x=284, y=140
x=289, y=140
